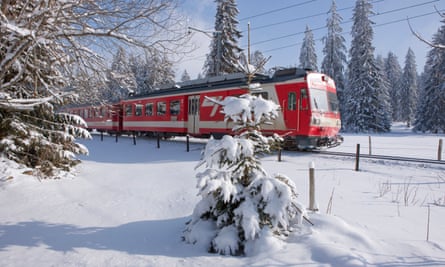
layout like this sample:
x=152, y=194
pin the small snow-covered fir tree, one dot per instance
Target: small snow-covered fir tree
x=240, y=202
x=185, y=76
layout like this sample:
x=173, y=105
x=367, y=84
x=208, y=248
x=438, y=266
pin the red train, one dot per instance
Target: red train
x=309, y=116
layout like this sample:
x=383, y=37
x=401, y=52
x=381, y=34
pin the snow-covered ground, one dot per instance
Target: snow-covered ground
x=128, y=205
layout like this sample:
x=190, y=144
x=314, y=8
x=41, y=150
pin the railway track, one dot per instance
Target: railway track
x=381, y=157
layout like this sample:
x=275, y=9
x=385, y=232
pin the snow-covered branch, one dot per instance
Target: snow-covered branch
x=440, y=46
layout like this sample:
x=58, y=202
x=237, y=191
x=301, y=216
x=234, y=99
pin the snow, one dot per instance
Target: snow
x=128, y=205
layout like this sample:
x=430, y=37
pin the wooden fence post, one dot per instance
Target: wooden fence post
x=357, y=158
x=312, y=205
x=117, y=136
x=101, y=136
x=188, y=143
x=370, y=145
x=439, y=150
x=134, y=138
x=159, y=140
x=279, y=154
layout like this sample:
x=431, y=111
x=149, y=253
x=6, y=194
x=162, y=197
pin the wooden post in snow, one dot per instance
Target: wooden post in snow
x=312, y=204
x=188, y=143
x=357, y=158
x=370, y=148
x=439, y=150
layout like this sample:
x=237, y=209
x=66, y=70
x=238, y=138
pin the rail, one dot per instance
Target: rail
x=382, y=157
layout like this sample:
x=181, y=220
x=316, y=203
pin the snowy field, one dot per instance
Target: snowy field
x=127, y=205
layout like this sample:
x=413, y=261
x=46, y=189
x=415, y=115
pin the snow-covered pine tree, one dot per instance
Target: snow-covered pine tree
x=257, y=60
x=224, y=49
x=121, y=79
x=429, y=115
x=385, y=97
x=48, y=49
x=367, y=108
x=185, y=76
x=408, y=89
x=160, y=71
x=334, y=51
x=308, y=56
x=393, y=73
x=240, y=203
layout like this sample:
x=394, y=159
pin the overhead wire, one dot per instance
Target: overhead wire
x=348, y=32
x=276, y=10
x=344, y=22
x=305, y=17
x=323, y=27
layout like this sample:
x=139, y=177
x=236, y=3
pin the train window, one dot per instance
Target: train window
x=193, y=106
x=103, y=112
x=149, y=109
x=85, y=113
x=128, y=110
x=175, y=107
x=333, y=102
x=138, y=110
x=264, y=95
x=319, y=100
x=291, y=101
x=303, y=99
x=161, y=108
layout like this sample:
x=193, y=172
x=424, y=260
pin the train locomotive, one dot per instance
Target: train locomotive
x=309, y=117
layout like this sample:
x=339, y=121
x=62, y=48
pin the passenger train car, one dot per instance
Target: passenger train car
x=309, y=116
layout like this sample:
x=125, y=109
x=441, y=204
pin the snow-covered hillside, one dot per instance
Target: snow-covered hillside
x=127, y=205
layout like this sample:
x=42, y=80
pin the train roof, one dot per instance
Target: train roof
x=227, y=80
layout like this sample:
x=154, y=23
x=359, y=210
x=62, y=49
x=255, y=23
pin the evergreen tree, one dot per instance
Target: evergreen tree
x=408, y=89
x=224, y=50
x=151, y=71
x=240, y=203
x=367, y=108
x=429, y=116
x=257, y=60
x=308, y=56
x=185, y=76
x=393, y=73
x=160, y=71
x=121, y=78
x=334, y=51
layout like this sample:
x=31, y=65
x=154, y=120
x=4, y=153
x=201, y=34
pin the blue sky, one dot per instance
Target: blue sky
x=277, y=27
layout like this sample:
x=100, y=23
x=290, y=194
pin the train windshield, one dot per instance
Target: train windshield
x=323, y=101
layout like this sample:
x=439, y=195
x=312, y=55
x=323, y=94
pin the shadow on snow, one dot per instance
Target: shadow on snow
x=161, y=237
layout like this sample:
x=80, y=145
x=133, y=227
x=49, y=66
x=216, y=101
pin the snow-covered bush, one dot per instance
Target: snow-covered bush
x=241, y=203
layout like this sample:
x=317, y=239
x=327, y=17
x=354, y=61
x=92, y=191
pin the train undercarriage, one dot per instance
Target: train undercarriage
x=311, y=142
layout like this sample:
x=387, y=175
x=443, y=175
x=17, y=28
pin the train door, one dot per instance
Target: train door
x=291, y=111
x=296, y=109
x=193, y=114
